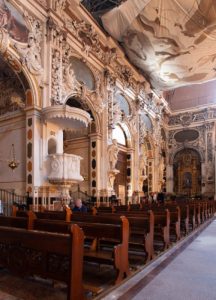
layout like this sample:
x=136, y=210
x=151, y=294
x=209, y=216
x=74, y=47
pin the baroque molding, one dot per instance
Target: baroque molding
x=89, y=39
x=186, y=119
x=56, y=77
x=30, y=53
x=203, y=143
x=43, y=3
x=71, y=85
x=56, y=35
x=59, y=6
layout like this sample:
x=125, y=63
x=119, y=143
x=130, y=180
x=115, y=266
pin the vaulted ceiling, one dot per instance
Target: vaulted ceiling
x=173, y=42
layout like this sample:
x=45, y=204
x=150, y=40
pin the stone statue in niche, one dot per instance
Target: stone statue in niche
x=117, y=113
x=143, y=164
x=113, y=151
x=70, y=78
x=187, y=180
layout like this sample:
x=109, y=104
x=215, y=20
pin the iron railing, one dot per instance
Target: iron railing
x=8, y=198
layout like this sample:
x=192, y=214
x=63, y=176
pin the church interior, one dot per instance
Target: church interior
x=107, y=149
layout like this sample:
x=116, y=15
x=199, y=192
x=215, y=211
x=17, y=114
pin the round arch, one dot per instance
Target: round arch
x=11, y=58
x=88, y=105
x=173, y=155
x=119, y=135
x=127, y=133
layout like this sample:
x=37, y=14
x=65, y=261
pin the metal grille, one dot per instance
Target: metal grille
x=7, y=199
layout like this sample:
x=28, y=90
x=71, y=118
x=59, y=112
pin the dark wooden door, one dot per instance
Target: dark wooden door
x=120, y=184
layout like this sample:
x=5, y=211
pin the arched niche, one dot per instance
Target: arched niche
x=187, y=172
x=123, y=182
x=146, y=166
x=52, y=146
x=82, y=73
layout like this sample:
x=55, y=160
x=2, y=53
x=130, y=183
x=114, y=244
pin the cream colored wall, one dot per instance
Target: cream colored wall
x=13, y=132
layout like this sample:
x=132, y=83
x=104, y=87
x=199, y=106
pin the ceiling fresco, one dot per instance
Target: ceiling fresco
x=173, y=42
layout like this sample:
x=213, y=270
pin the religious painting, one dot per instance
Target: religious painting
x=12, y=20
x=12, y=89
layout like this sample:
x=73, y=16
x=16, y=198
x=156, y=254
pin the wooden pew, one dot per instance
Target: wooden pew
x=46, y=214
x=202, y=211
x=175, y=221
x=116, y=231
x=184, y=208
x=192, y=216
x=141, y=227
x=96, y=229
x=25, y=221
x=142, y=233
x=49, y=255
x=161, y=225
x=135, y=207
x=120, y=208
x=109, y=209
x=197, y=216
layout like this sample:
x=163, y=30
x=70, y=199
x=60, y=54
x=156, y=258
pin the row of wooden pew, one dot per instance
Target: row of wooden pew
x=54, y=244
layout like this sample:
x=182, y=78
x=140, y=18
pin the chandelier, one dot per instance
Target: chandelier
x=12, y=162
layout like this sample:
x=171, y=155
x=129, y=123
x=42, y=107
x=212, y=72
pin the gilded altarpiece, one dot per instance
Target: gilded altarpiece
x=187, y=173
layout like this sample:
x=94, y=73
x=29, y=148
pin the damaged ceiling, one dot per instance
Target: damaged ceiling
x=173, y=42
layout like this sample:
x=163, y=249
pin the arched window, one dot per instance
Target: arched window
x=119, y=135
x=147, y=121
x=123, y=104
x=52, y=146
x=83, y=73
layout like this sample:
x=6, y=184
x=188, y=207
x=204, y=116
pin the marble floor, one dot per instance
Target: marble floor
x=188, y=275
